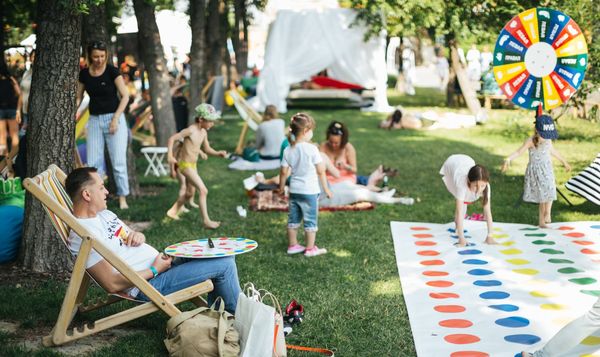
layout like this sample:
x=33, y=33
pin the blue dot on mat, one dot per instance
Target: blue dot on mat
x=469, y=252
x=504, y=307
x=456, y=237
x=513, y=321
x=494, y=295
x=522, y=339
x=452, y=230
x=480, y=272
x=595, y=226
x=475, y=262
x=487, y=283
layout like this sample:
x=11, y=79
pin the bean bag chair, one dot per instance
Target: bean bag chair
x=12, y=203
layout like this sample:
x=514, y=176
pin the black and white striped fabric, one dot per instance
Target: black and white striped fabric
x=587, y=183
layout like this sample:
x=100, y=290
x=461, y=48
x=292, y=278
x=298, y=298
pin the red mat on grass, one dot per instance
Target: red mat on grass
x=270, y=201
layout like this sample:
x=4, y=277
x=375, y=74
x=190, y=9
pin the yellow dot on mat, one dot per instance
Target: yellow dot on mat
x=518, y=261
x=552, y=306
x=511, y=251
x=526, y=271
x=504, y=235
x=508, y=243
x=545, y=294
x=591, y=341
x=497, y=229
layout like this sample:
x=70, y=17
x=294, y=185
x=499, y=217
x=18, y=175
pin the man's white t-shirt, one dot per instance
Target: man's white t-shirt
x=455, y=171
x=302, y=158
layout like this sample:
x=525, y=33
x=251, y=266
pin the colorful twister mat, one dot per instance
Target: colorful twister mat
x=221, y=247
x=540, y=58
x=486, y=300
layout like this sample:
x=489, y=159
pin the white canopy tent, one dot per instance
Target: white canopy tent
x=303, y=43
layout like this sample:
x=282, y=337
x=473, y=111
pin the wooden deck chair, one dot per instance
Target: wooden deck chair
x=145, y=139
x=8, y=161
x=48, y=187
x=249, y=115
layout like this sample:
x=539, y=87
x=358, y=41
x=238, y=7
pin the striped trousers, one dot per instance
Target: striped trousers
x=97, y=137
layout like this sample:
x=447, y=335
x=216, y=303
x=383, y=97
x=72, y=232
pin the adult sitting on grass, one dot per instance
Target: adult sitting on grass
x=165, y=274
x=270, y=134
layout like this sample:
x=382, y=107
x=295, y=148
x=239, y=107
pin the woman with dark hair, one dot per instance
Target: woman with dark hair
x=343, y=156
x=467, y=181
x=10, y=115
x=401, y=120
x=107, y=126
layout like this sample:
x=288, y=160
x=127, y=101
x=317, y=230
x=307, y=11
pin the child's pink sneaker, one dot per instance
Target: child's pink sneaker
x=295, y=249
x=314, y=251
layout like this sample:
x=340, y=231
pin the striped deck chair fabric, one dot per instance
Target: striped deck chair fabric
x=587, y=183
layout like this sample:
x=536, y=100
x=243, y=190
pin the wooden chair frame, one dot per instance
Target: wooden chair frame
x=248, y=114
x=8, y=160
x=58, y=209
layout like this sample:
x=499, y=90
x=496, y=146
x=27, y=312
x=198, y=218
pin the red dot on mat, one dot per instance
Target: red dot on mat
x=425, y=243
x=444, y=295
x=566, y=228
x=583, y=242
x=432, y=262
x=440, y=283
x=419, y=228
x=461, y=339
x=456, y=323
x=589, y=251
x=469, y=354
x=449, y=308
x=423, y=235
x=434, y=273
x=574, y=235
x=428, y=252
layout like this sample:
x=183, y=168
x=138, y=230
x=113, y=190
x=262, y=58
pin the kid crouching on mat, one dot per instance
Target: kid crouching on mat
x=195, y=143
x=303, y=162
x=540, y=186
x=467, y=181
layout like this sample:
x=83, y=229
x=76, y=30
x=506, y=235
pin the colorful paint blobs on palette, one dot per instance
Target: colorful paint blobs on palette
x=469, y=354
x=526, y=271
x=552, y=307
x=440, y=283
x=542, y=294
x=432, y=262
x=487, y=283
x=456, y=323
x=504, y=307
x=594, y=293
x=444, y=295
x=560, y=261
x=480, y=272
x=425, y=243
x=513, y=321
x=511, y=251
x=551, y=251
x=518, y=261
x=543, y=242
x=434, y=273
x=461, y=339
x=523, y=339
x=503, y=235
x=491, y=295
x=565, y=228
x=591, y=341
x=449, y=308
x=469, y=252
x=569, y=270
x=508, y=243
x=583, y=281
x=474, y=262
x=452, y=230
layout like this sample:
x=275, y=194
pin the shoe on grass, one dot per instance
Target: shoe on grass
x=314, y=251
x=295, y=249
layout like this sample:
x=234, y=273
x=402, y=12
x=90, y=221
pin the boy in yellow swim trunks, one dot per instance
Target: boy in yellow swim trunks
x=195, y=143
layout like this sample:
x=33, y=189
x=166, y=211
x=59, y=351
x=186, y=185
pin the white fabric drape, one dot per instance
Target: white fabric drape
x=301, y=44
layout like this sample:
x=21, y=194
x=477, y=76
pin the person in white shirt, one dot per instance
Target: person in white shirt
x=270, y=134
x=474, y=63
x=467, y=181
x=165, y=274
x=303, y=162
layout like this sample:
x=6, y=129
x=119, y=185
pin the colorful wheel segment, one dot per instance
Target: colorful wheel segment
x=223, y=247
x=540, y=58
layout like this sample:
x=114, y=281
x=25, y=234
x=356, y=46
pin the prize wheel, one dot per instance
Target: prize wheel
x=540, y=58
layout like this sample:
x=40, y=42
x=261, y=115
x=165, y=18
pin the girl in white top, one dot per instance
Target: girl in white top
x=467, y=181
x=303, y=162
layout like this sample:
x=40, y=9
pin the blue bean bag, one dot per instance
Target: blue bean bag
x=12, y=200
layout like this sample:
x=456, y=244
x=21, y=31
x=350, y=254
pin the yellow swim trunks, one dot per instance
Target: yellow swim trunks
x=182, y=165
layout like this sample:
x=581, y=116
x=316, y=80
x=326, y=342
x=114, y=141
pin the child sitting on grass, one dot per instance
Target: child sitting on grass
x=195, y=143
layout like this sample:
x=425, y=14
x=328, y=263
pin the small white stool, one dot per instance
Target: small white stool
x=155, y=156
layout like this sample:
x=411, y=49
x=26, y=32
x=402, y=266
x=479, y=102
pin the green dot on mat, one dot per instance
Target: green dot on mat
x=595, y=293
x=543, y=242
x=570, y=270
x=551, y=251
x=529, y=229
x=583, y=281
x=560, y=261
x=535, y=234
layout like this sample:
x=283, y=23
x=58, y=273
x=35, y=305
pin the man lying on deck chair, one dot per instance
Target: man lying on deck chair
x=165, y=274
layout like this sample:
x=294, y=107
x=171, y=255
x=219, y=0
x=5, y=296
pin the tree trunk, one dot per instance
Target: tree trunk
x=465, y=85
x=2, y=38
x=197, y=54
x=240, y=36
x=213, y=38
x=224, y=35
x=94, y=28
x=51, y=132
x=154, y=62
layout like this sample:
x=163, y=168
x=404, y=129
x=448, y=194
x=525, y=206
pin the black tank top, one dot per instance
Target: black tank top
x=8, y=97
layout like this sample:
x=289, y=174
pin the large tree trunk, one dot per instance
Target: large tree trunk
x=51, y=132
x=465, y=85
x=213, y=38
x=240, y=36
x=154, y=62
x=94, y=28
x=2, y=38
x=197, y=54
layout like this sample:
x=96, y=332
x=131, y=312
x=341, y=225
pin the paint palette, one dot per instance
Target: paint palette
x=540, y=58
x=496, y=300
x=223, y=247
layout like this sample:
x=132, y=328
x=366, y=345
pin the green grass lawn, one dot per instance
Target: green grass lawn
x=352, y=295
